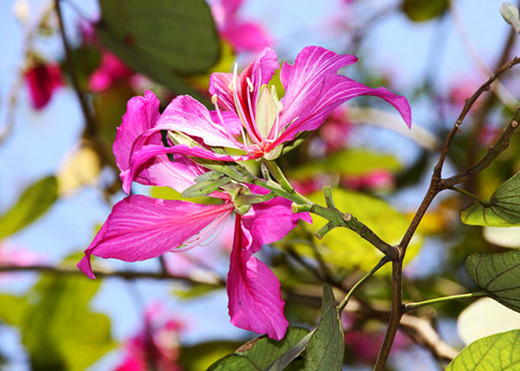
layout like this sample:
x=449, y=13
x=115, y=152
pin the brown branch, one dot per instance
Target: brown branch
x=493, y=152
x=465, y=110
x=123, y=274
x=91, y=131
x=437, y=185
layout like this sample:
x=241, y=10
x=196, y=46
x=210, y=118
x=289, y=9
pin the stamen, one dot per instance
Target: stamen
x=250, y=84
x=214, y=100
x=204, y=237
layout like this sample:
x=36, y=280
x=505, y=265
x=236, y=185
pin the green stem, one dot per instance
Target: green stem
x=382, y=262
x=467, y=194
x=412, y=306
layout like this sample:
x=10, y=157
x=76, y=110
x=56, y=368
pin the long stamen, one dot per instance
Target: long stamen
x=214, y=100
x=240, y=109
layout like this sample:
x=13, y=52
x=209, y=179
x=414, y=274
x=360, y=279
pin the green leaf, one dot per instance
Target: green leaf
x=344, y=248
x=502, y=210
x=11, y=309
x=205, y=187
x=327, y=345
x=33, y=203
x=348, y=162
x=260, y=353
x=162, y=39
x=498, y=275
x=493, y=353
x=424, y=10
x=202, y=355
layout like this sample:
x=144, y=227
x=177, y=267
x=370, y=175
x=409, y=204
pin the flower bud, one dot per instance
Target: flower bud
x=510, y=14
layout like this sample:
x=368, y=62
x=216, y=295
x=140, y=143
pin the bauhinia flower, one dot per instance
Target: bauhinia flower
x=251, y=118
x=140, y=227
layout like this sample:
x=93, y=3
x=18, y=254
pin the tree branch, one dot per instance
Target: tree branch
x=123, y=274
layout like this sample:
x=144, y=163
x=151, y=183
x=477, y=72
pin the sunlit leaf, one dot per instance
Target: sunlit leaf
x=424, y=10
x=493, y=353
x=11, y=309
x=161, y=39
x=348, y=162
x=498, y=275
x=486, y=317
x=502, y=210
x=344, y=248
x=505, y=237
x=32, y=203
x=80, y=168
x=327, y=345
x=260, y=353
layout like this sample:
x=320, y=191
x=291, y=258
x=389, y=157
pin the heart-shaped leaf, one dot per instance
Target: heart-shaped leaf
x=260, y=353
x=327, y=345
x=498, y=275
x=162, y=39
x=502, y=210
x=493, y=353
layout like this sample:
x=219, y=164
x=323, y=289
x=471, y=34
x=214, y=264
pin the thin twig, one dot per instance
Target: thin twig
x=123, y=274
x=493, y=152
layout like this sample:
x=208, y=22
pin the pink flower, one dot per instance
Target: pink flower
x=140, y=227
x=242, y=35
x=336, y=130
x=376, y=179
x=156, y=346
x=43, y=80
x=248, y=115
x=110, y=70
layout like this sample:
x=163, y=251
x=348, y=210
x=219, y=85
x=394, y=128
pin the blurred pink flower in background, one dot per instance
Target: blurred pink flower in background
x=336, y=130
x=12, y=255
x=110, y=70
x=157, y=345
x=42, y=80
x=241, y=35
x=374, y=180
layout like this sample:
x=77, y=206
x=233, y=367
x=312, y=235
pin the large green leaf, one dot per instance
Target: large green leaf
x=344, y=248
x=424, y=10
x=502, y=210
x=161, y=38
x=498, y=352
x=348, y=162
x=498, y=275
x=327, y=345
x=260, y=353
x=33, y=203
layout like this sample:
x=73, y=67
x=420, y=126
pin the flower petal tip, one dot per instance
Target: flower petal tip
x=85, y=266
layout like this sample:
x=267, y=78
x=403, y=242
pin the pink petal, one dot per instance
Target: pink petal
x=142, y=116
x=255, y=302
x=245, y=36
x=186, y=115
x=141, y=227
x=313, y=89
x=140, y=159
x=259, y=72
